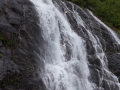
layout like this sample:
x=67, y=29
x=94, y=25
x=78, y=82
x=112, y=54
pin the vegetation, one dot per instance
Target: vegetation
x=107, y=10
x=10, y=81
x=7, y=42
x=0, y=55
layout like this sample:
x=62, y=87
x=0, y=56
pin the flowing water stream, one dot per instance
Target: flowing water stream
x=65, y=55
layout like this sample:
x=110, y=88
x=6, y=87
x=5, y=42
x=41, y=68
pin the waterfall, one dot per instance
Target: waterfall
x=109, y=29
x=65, y=54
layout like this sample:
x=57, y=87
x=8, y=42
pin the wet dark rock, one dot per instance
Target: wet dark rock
x=2, y=50
x=0, y=43
x=107, y=86
x=13, y=18
x=5, y=26
x=94, y=72
x=18, y=63
x=94, y=61
x=114, y=63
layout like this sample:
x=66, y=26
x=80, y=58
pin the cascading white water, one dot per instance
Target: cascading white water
x=99, y=53
x=61, y=73
x=102, y=56
x=109, y=29
x=65, y=56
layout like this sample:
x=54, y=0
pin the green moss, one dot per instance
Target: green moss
x=7, y=42
x=0, y=55
x=2, y=38
x=10, y=81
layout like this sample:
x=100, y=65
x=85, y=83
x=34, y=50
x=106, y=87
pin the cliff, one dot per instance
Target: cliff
x=20, y=65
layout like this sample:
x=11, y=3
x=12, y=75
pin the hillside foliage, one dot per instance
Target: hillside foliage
x=107, y=10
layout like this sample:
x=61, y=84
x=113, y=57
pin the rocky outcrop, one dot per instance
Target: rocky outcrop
x=114, y=63
x=18, y=61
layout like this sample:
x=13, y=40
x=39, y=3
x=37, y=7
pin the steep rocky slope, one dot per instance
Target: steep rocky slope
x=18, y=61
x=19, y=44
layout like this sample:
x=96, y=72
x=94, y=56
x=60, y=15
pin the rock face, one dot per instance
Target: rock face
x=19, y=45
x=18, y=60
